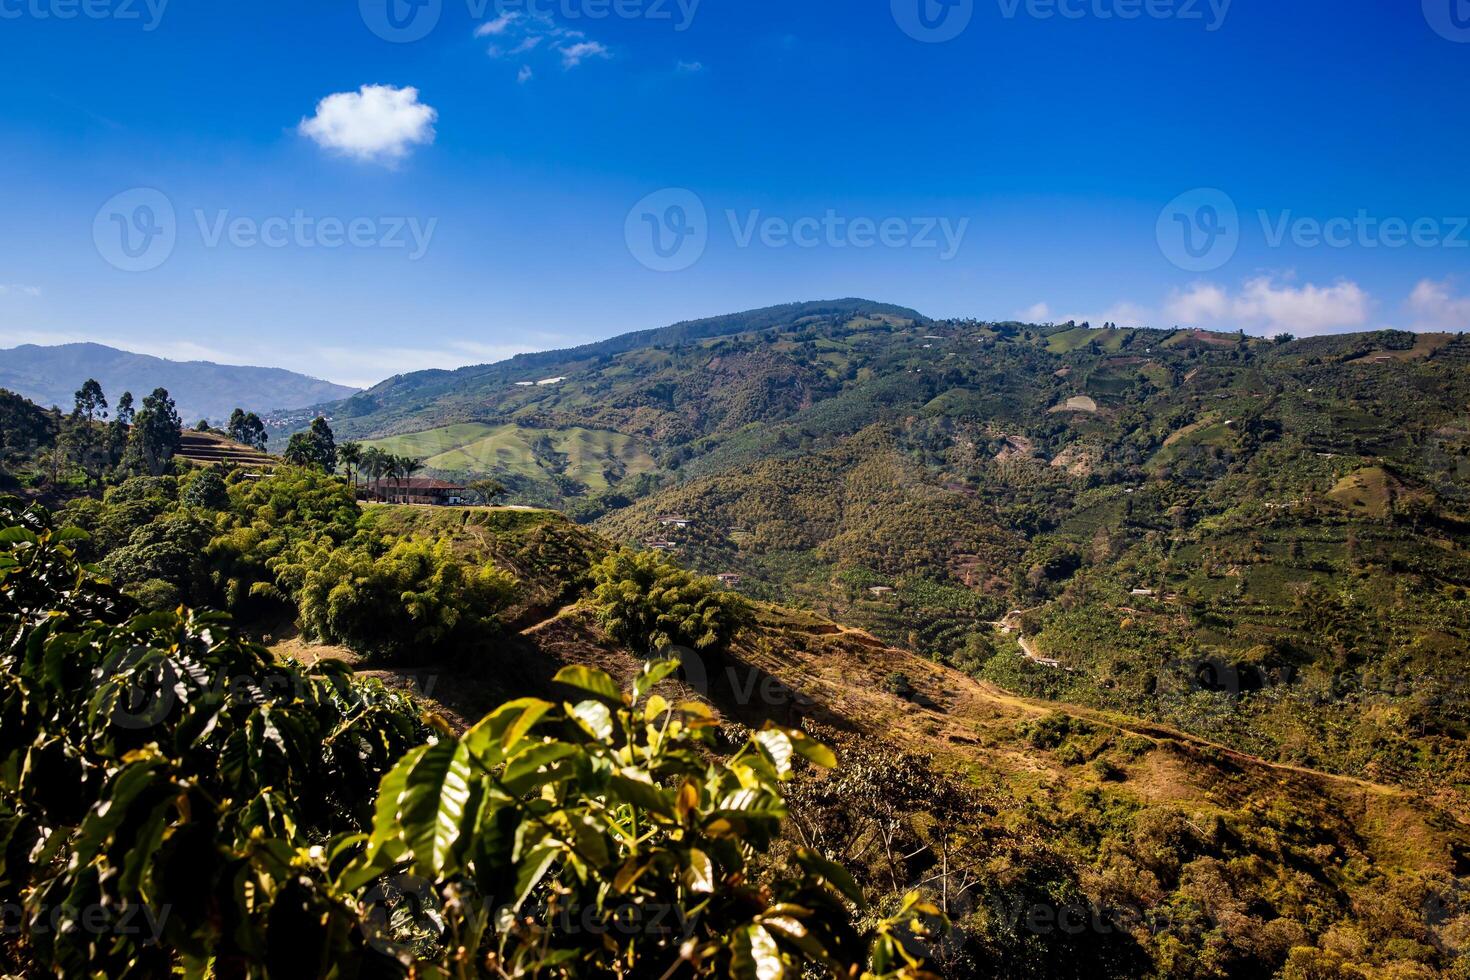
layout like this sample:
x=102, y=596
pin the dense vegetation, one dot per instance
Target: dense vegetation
x=173, y=799
x=1262, y=541
x=1259, y=542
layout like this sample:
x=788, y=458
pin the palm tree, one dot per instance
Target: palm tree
x=375, y=465
x=350, y=453
x=410, y=466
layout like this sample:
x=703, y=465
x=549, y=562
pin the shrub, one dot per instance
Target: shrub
x=175, y=802
x=207, y=490
x=611, y=815
x=159, y=774
x=649, y=604
x=417, y=600
x=898, y=684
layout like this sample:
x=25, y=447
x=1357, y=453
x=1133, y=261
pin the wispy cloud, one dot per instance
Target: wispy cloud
x=498, y=26
x=1265, y=304
x=1436, y=307
x=574, y=54
x=691, y=67
x=517, y=34
x=14, y=289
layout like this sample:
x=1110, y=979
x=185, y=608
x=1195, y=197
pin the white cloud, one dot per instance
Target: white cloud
x=573, y=55
x=14, y=289
x=518, y=34
x=377, y=123
x=498, y=26
x=1435, y=307
x=691, y=67
x=525, y=75
x=1266, y=305
x=1305, y=310
x=1202, y=302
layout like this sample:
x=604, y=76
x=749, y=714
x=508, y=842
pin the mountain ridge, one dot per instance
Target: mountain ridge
x=49, y=374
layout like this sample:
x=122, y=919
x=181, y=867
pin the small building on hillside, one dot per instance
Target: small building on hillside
x=429, y=492
x=673, y=521
x=729, y=579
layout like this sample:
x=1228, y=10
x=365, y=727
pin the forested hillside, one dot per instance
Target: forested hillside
x=1260, y=540
x=1036, y=651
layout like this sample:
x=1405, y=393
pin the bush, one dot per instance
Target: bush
x=217, y=809
x=897, y=683
x=419, y=600
x=207, y=491
x=649, y=604
x=159, y=771
x=156, y=594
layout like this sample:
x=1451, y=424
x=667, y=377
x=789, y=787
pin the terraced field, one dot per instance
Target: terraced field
x=595, y=458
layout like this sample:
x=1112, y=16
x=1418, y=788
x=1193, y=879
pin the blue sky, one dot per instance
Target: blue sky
x=353, y=202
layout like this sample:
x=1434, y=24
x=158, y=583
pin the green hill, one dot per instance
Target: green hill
x=1261, y=543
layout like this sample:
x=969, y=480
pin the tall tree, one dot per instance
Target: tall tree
x=487, y=490
x=326, y=444
x=117, y=430
x=350, y=453
x=316, y=447
x=155, y=435
x=247, y=428
x=301, y=450
x=410, y=466
x=91, y=402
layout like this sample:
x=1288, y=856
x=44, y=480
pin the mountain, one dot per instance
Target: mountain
x=409, y=402
x=1263, y=543
x=51, y=375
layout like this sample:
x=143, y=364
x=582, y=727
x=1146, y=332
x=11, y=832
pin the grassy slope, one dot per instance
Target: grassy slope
x=587, y=456
x=1094, y=796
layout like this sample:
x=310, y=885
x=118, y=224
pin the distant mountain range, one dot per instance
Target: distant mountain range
x=51, y=375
